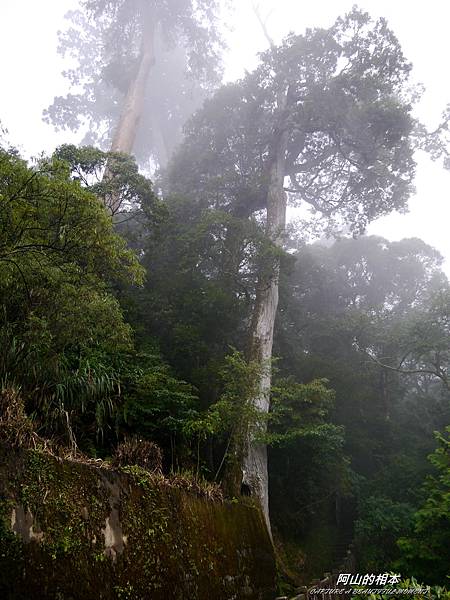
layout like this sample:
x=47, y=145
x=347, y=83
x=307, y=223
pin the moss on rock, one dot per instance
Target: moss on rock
x=78, y=532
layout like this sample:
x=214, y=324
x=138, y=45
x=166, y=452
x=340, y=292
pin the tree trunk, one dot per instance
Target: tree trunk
x=126, y=130
x=125, y=134
x=255, y=474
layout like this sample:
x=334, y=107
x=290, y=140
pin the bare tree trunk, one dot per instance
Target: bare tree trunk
x=126, y=130
x=255, y=475
x=125, y=134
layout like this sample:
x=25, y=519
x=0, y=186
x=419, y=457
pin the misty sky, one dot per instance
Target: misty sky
x=31, y=77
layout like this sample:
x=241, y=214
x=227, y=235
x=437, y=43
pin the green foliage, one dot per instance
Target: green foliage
x=93, y=348
x=298, y=410
x=156, y=404
x=363, y=290
x=201, y=265
x=47, y=216
x=425, y=552
x=233, y=413
x=306, y=454
x=59, y=321
x=381, y=521
x=347, y=117
x=229, y=420
x=124, y=187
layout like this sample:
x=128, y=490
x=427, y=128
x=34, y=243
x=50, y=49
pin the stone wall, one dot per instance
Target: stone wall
x=74, y=531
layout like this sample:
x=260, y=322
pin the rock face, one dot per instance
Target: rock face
x=73, y=531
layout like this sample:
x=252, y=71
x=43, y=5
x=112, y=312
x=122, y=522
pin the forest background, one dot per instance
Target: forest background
x=138, y=325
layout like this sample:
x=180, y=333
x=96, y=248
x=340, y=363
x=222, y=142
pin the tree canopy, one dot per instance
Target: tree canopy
x=348, y=117
x=107, y=40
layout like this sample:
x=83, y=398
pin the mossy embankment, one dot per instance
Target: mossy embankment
x=72, y=531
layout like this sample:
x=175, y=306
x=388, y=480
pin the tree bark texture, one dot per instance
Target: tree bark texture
x=255, y=473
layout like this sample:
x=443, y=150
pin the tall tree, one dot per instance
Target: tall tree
x=117, y=45
x=324, y=121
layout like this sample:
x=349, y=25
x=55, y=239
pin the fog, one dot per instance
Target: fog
x=164, y=316
x=31, y=77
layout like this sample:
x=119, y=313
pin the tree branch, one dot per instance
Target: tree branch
x=307, y=166
x=438, y=372
x=263, y=23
